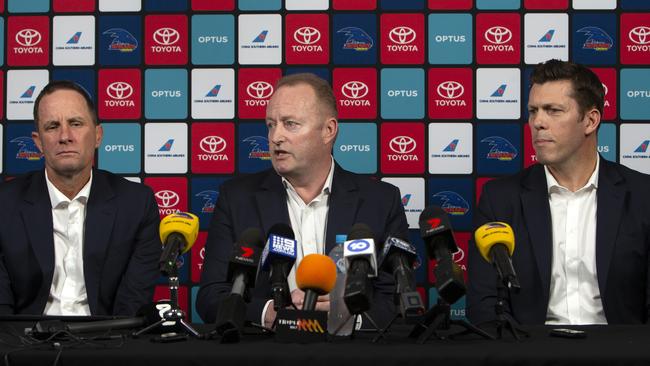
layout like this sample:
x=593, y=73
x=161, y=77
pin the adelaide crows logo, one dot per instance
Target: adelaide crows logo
x=597, y=39
x=500, y=148
x=123, y=41
x=259, y=147
x=210, y=199
x=451, y=202
x=357, y=40
x=27, y=149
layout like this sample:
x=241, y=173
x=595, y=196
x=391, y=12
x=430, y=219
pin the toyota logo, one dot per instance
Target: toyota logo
x=498, y=35
x=605, y=89
x=354, y=89
x=167, y=198
x=119, y=90
x=458, y=256
x=166, y=36
x=450, y=89
x=402, y=35
x=402, y=144
x=259, y=89
x=640, y=35
x=306, y=35
x=202, y=253
x=28, y=37
x=212, y=144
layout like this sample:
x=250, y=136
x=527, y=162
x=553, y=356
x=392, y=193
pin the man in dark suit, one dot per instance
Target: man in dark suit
x=73, y=240
x=581, y=223
x=305, y=189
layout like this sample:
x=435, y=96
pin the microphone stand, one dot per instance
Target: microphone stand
x=354, y=324
x=503, y=319
x=175, y=314
x=439, y=318
x=409, y=312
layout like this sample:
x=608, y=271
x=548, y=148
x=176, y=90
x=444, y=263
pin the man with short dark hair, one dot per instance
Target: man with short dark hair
x=75, y=240
x=305, y=189
x=581, y=223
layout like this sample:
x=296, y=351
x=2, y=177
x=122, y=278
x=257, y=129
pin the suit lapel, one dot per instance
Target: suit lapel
x=343, y=205
x=537, y=215
x=37, y=217
x=610, y=198
x=100, y=217
x=271, y=199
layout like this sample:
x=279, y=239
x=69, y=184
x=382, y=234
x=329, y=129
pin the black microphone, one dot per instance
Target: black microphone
x=361, y=261
x=399, y=258
x=278, y=256
x=242, y=268
x=439, y=241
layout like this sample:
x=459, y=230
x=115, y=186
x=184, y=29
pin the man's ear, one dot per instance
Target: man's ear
x=591, y=121
x=37, y=141
x=330, y=130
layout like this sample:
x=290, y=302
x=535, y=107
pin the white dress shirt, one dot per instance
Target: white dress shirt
x=574, y=293
x=309, y=223
x=68, y=291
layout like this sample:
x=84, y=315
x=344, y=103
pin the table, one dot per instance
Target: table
x=604, y=345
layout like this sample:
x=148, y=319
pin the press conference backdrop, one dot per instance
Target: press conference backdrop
x=431, y=94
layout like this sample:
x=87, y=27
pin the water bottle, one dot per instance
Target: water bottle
x=338, y=310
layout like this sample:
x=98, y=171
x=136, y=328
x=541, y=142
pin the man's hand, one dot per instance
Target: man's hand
x=298, y=298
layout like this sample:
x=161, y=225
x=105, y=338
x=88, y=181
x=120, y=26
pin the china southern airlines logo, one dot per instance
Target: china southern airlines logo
x=500, y=148
x=500, y=90
x=259, y=147
x=214, y=91
x=643, y=147
x=123, y=41
x=27, y=149
x=452, y=146
x=75, y=38
x=210, y=199
x=357, y=40
x=167, y=146
x=597, y=39
x=29, y=92
x=548, y=36
x=451, y=202
x=261, y=37
x=406, y=199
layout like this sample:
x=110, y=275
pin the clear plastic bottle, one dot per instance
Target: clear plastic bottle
x=338, y=310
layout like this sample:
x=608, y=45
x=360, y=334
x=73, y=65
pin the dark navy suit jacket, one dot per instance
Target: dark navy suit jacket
x=259, y=200
x=121, y=245
x=622, y=245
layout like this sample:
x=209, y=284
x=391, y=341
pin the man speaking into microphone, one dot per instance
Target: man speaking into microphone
x=307, y=190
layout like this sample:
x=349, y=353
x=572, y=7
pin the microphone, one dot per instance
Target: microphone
x=399, y=258
x=242, y=273
x=439, y=241
x=496, y=243
x=178, y=233
x=278, y=256
x=244, y=261
x=316, y=275
x=361, y=262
